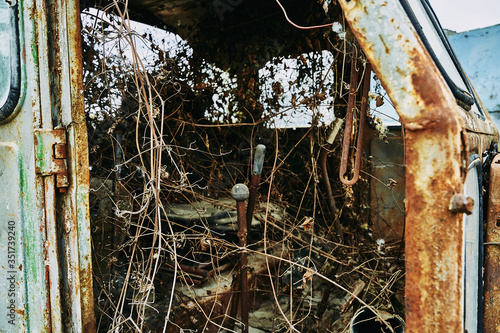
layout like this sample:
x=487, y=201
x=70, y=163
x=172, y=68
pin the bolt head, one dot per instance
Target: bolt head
x=460, y=203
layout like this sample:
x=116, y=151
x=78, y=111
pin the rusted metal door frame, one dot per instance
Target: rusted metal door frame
x=63, y=37
x=45, y=177
x=491, y=314
x=437, y=144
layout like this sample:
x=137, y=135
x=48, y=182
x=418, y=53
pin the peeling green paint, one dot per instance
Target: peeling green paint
x=40, y=160
x=31, y=245
x=23, y=244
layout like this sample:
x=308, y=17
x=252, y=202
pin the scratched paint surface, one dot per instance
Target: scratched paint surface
x=11, y=242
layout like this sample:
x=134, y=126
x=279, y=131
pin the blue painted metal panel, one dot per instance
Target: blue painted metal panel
x=478, y=52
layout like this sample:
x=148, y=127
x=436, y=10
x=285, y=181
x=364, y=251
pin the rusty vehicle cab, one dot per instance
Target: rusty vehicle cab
x=440, y=162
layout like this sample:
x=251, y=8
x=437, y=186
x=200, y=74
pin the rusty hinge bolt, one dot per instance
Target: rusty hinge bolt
x=461, y=203
x=51, y=155
x=60, y=150
x=60, y=155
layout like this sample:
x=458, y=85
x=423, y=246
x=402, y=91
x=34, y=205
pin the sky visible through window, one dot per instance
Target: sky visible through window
x=464, y=15
x=456, y=15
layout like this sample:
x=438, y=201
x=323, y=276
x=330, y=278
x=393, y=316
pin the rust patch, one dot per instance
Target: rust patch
x=80, y=166
x=387, y=50
x=433, y=235
x=414, y=126
x=422, y=83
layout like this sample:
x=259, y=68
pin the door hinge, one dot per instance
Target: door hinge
x=50, y=155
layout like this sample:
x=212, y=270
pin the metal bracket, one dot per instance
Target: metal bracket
x=50, y=155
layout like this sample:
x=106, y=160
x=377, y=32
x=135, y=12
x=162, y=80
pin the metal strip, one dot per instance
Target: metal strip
x=69, y=220
x=52, y=258
x=80, y=164
x=45, y=122
x=491, y=301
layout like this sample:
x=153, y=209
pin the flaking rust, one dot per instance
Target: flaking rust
x=81, y=167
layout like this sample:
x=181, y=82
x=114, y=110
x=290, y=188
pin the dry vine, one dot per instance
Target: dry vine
x=161, y=146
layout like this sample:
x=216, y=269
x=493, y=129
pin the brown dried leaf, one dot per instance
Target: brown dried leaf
x=308, y=223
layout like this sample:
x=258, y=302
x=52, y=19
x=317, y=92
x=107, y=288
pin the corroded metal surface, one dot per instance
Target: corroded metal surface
x=361, y=129
x=67, y=220
x=434, y=161
x=491, y=315
x=63, y=64
x=22, y=202
x=53, y=95
x=52, y=256
x=77, y=126
x=479, y=133
x=50, y=149
x=13, y=292
x=347, y=140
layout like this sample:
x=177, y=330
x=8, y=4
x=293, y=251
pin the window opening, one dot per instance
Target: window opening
x=10, y=67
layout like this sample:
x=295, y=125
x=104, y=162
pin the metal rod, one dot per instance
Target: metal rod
x=202, y=273
x=199, y=272
x=52, y=256
x=349, y=120
x=240, y=193
x=353, y=83
x=258, y=163
x=326, y=178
